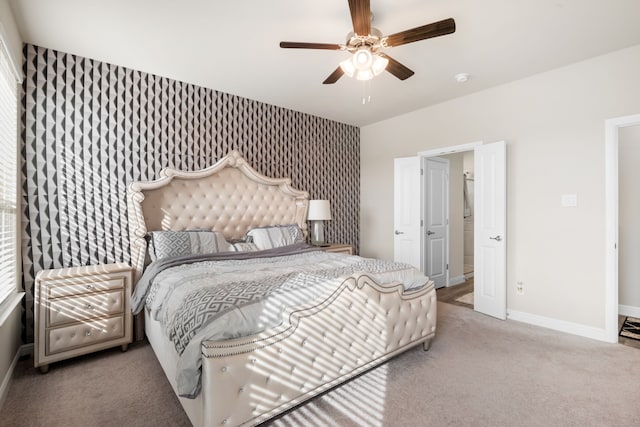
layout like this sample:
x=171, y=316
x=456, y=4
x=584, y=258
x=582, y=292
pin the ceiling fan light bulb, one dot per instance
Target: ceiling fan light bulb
x=362, y=59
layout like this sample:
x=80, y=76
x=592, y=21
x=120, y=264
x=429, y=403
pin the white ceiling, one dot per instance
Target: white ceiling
x=232, y=46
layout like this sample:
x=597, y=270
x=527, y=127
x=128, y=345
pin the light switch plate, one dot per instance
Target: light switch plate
x=569, y=200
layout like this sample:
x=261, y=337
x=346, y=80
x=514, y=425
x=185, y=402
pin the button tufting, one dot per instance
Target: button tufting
x=224, y=369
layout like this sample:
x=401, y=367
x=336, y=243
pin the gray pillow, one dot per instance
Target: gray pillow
x=164, y=244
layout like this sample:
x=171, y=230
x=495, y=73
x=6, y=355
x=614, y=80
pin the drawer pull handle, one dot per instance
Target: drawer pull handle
x=88, y=333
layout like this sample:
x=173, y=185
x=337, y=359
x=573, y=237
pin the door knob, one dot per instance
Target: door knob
x=497, y=238
x=429, y=232
x=399, y=232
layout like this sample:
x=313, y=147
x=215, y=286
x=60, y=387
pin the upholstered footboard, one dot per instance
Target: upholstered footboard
x=362, y=324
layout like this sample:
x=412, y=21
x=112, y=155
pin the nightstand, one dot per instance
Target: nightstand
x=339, y=248
x=80, y=310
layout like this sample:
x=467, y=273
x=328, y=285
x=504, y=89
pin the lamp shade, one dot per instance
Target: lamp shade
x=319, y=210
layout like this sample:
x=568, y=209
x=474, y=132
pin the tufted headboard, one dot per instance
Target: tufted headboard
x=230, y=197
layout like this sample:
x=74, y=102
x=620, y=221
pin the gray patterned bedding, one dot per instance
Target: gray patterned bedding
x=229, y=295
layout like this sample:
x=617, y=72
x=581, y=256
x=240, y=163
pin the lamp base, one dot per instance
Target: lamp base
x=317, y=233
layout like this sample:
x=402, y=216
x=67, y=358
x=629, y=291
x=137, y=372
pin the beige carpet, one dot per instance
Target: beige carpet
x=479, y=372
x=466, y=298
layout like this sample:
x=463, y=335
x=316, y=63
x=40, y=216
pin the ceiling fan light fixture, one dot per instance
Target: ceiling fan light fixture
x=364, y=65
x=364, y=74
x=379, y=64
x=348, y=68
x=362, y=59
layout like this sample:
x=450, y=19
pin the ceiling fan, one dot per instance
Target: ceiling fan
x=365, y=43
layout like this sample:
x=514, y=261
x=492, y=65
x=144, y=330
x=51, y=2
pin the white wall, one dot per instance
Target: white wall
x=629, y=217
x=554, y=127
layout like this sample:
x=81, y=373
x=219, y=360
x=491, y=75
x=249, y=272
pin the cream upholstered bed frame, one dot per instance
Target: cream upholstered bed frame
x=248, y=380
x=230, y=197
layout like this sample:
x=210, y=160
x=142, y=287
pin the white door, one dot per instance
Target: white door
x=490, y=240
x=406, y=216
x=436, y=219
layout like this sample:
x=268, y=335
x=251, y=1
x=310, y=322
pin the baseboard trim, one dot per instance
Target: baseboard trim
x=558, y=325
x=628, y=310
x=26, y=350
x=6, y=381
x=456, y=281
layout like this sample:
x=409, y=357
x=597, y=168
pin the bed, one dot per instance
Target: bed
x=327, y=326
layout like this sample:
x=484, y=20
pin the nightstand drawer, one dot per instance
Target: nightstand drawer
x=67, y=287
x=84, y=334
x=73, y=309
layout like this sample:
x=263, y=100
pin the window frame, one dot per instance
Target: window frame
x=10, y=73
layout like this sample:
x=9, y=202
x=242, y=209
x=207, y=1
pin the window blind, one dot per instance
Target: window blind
x=8, y=176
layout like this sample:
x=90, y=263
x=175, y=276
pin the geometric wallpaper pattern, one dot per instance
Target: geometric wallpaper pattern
x=90, y=128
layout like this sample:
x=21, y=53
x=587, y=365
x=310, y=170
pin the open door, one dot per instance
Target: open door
x=407, y=243
x=436, y=219
x=490, y=240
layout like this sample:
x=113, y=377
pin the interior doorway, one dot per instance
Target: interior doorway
x=613, y=129
x=459, y=287
x=629, y=229
x=489, y=220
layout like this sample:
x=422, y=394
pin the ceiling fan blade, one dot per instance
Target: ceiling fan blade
x=302, y=45
x=333, y=77
x=396, y=68
x=428, y=31
x=361, y=16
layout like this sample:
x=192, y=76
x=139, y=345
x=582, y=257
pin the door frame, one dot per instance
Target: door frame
x=611, y=146
x=447, y=234
x=472, y=146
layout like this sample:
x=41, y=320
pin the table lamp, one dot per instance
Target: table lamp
x=319, y=212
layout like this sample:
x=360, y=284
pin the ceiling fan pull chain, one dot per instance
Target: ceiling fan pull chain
x=366, y=92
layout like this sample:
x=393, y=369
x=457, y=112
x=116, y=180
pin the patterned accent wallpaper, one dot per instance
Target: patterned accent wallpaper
x=90, y=128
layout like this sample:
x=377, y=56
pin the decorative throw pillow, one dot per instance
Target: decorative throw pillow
x=166, y=244
x=276, y=236
x=244, y=247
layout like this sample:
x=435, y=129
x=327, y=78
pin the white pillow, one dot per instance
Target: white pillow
x=276, y=236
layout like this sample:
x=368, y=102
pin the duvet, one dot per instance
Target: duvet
x=233, y=294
